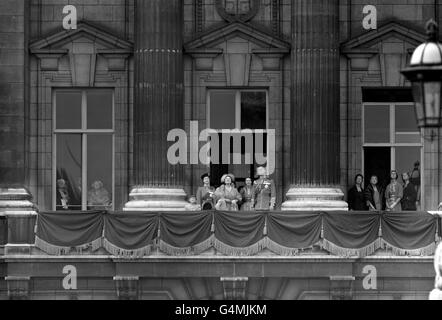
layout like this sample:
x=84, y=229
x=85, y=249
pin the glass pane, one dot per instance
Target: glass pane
x=68, y=184
x=99, y=172
x=417, y=93
x=377, y=124
x=99, y=110
x=222, y=110
x=406, y=124
x=406, y=157
x=406, y=119
x=432, y=102
x=405, y=137
x=253, y=110
x=68, y=110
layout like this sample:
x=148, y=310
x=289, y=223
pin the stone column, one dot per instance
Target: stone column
x=315, y=139
x=15, y=201
x=158, y=105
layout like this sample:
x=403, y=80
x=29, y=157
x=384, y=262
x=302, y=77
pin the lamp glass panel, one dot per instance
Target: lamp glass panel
x=432, y=101
x=419, y=103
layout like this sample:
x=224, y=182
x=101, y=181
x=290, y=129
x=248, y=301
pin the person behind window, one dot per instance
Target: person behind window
x=192, y=205
x=204, y=194
x=265, y=191
x=409, y=199
x=248, y=196
x=415, y=179
x=374, y=195
x=356, y=197
x=393, y=193
x=226, y=196
x=63, y=198
x=98, y=197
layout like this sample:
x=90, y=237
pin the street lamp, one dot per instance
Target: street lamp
x=425, y=75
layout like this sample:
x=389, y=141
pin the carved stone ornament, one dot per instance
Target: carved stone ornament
x=237, y=10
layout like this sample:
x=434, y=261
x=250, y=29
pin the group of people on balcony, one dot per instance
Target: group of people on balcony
x=395, y=197
x=257, y=195
x=98, y=198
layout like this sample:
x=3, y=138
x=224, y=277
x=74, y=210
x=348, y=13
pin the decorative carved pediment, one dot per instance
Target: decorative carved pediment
x=237, y=42
x=390, y=38
x=83, y=46
x=249, y=32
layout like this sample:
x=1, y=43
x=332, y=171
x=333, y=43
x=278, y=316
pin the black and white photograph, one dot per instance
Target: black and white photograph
x=220, y=154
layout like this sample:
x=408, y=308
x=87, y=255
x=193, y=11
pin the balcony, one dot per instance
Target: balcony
x=221, y=234
x=319, y=255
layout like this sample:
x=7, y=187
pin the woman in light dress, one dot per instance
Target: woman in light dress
x=227, y=196
x=394, y=193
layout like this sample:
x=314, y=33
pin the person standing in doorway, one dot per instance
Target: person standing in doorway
x=356, y=198
x=265, y=191
x=393, y=193
x=374, y=195
x=248, y=196
x=204, y=194
x=409, y=199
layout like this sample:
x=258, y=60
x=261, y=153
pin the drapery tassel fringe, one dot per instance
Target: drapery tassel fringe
x=54, y=250
x=280, y=249
x=187, y=251
x=423, y=252
x=347, y=252
x=124, y=253
x=234, y=251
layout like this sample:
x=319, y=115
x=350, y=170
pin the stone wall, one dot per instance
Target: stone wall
x=13, y=62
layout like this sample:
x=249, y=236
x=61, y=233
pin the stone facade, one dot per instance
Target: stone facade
x=220, y=51
x=314, y=59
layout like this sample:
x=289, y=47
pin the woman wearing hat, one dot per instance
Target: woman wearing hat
x=265, y=191
x=248, y=196
x=204, y=194
x=227, y=196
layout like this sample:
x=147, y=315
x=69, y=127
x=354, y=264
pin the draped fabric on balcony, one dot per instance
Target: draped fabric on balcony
x=351, y=234
x=134, y=235
x=185, y=234
x=130, y=235
x=287, y=234
x=59, y=232
x=409, y=233
x=239, y=234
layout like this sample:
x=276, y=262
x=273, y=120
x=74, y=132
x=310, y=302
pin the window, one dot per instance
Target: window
x=392, y=140
x=83, y=144
x=237, y=109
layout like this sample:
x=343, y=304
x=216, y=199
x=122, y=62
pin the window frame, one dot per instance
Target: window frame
x=84, y=132
x=392, y=143
x=238, y=91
